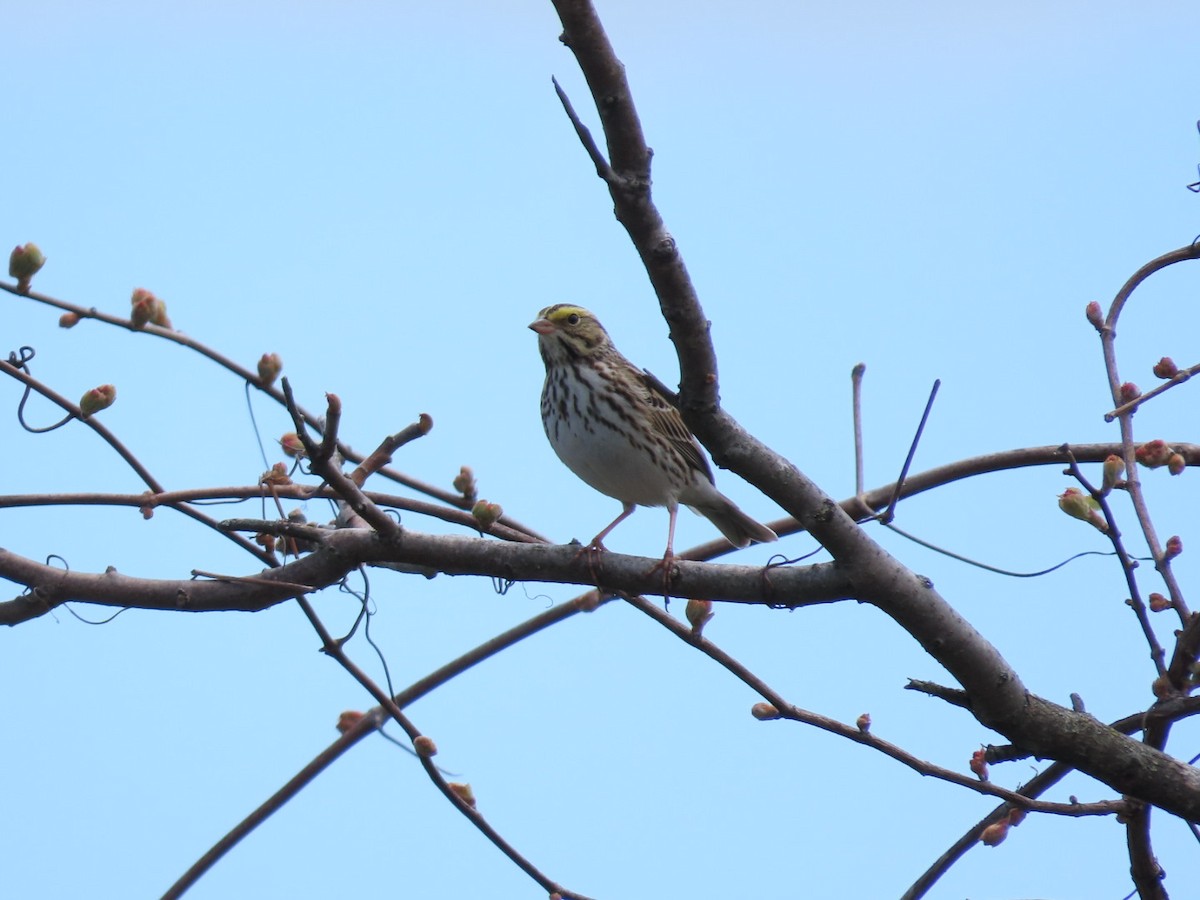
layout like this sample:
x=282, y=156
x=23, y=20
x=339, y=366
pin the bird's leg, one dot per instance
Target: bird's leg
x=668, y=559
x=598, y=541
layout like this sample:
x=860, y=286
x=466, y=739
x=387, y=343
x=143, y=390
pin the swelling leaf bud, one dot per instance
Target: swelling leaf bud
x=979, y=765
x=24, y=262
x=1114, y=468
x=277, y=475
x=1158, y=602
x=1095, y=315
x=425, y=746
x=464, y=792
x=96, y=399
x=995, y=833
x=292, y=445
x=698, y=613
x=464, y=483
x=1078, y=505
x=486, y=513
x=764, y=712
x=1153, y=454
x=269, y=367
x=1166, y=368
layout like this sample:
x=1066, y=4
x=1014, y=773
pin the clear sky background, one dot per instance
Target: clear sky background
x=386, y=194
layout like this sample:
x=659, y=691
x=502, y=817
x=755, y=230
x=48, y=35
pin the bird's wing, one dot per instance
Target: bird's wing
x=667, y=421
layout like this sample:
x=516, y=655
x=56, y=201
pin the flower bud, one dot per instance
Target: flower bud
x=68, y=320
x=995, y=833
x=1095, y=315
x=1176, y=463
x=464, y=792
x=23, y=263
x=425, y=746
x=292, y=445
x=348, y=720
x=698, y=613
x=1158, y=602
x=764, y=712
x=486, y=513
x=1129, y=392
x=96, y=399
x=1114, y=468
x=269, y=367
x=1166, y=368
x=1174, y=547
x=863, y=722
x=979, y=764
x=1153, y=454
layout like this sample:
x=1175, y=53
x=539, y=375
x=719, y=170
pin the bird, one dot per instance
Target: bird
x=618, y=432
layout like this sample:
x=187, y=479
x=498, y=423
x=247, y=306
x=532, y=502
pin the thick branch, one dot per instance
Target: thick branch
x=342, y=551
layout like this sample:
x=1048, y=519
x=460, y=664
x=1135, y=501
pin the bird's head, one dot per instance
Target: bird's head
x=568, y=331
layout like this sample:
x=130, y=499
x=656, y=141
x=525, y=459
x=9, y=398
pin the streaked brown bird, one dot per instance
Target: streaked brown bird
x=611, y=427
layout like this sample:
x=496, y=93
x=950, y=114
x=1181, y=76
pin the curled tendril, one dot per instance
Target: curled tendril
x=20, y=360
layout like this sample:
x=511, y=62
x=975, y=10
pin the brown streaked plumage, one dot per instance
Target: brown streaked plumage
x=618, y=433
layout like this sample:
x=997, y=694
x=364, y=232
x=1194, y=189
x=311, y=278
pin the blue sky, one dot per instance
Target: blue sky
x=386, y=194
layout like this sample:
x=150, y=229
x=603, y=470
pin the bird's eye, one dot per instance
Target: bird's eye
x=573, y=319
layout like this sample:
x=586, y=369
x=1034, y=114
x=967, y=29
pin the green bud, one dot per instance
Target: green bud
x=23, y=263
x=96, y=399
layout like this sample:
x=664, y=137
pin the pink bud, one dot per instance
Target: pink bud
x=1095, y=315
x=292, y=445
x=1174, y=547
x=979, y=764
x=1129, y=392
x=1166, y=368
x=1176, y=463
x=1153, y=454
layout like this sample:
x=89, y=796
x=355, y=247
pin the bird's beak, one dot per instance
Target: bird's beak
x=542, y=326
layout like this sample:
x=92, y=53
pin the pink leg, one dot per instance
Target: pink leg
x=598, y=541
